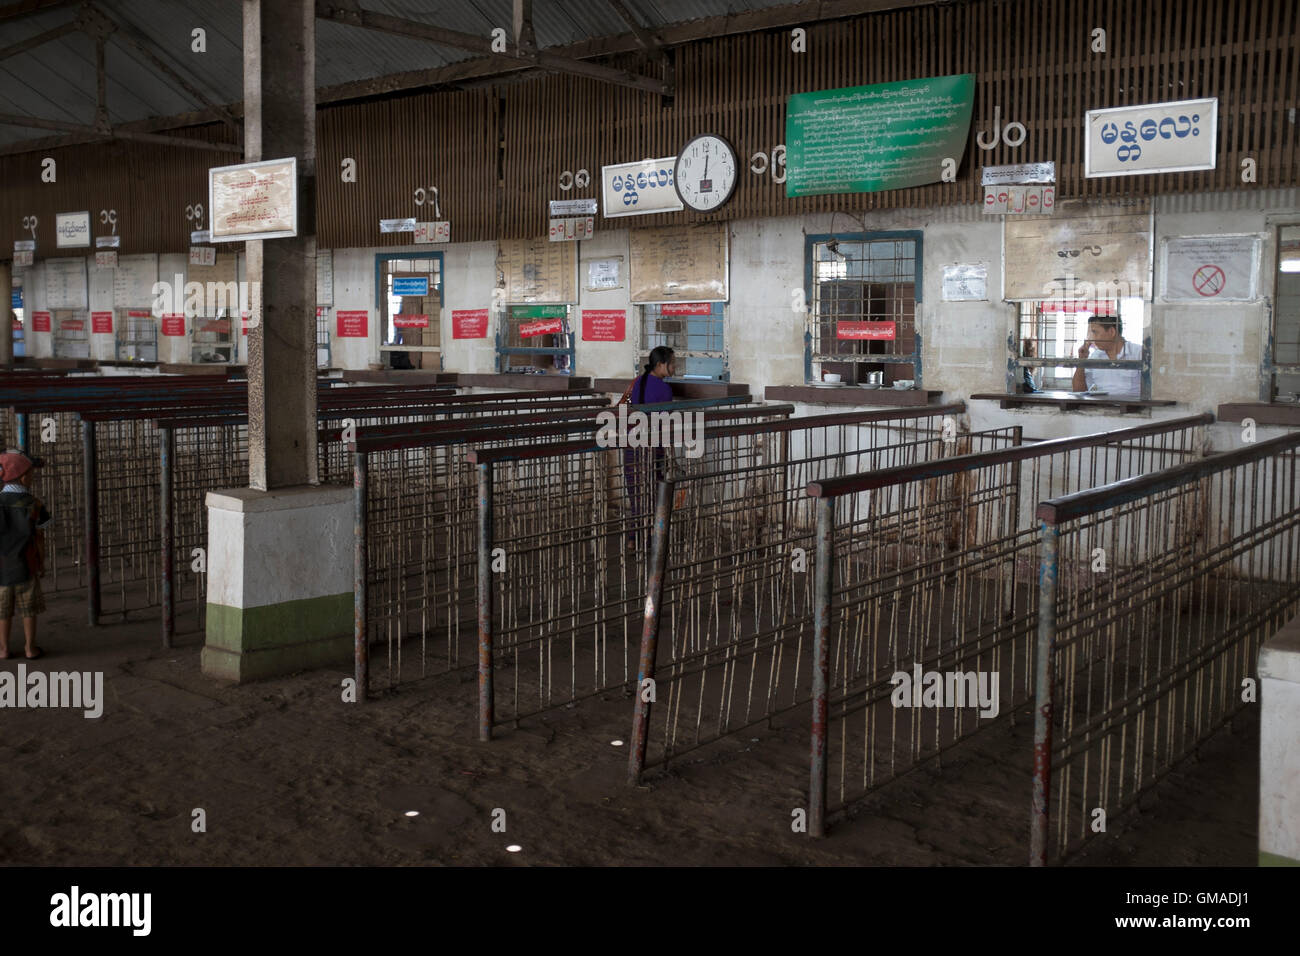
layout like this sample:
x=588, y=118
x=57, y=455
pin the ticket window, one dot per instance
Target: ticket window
x=136, y=333
x=71, y=334
x=536, y=339
x=213, y=341
x=412, y=313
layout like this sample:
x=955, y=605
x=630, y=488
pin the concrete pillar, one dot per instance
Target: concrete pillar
x=7, y=334
x=1279, y=748
x=280, y=121
x=280, y=551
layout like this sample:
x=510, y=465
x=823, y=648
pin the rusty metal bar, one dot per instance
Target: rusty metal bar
x=167, y=457
x=360, y=633
x=851, y=484
x=1044, y=682
x=650, y=630
x=90, y=472
x=824, y=571
x=1068, y=507
x=485, y=595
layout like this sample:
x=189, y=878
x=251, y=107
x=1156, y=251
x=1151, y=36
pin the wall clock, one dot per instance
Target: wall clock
x=705, y=174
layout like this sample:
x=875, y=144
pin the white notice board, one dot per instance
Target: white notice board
x=65, y=284
x=133, y=281
x=1210, y=268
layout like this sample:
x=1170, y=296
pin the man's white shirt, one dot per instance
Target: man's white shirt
x=1116, y=381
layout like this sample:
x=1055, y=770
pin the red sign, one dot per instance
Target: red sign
x=604, y=325
x=411, y=321
x=352, y=325
x=686, y=308
x=139, y=315
x=40, y=321
x=545, y=327
x=72, y=325
x=173, y=323
x=864, y=330
x=215, y=326
x=1079, y=305
x=101, y=321
x=469, y=323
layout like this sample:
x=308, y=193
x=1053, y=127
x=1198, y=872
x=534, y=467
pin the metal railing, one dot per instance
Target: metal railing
x=731, y=579
x=417, y=540
x=1155, y=595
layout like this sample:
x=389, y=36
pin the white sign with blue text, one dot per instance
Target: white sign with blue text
x=1156, y=138
x=410, y=285
x=640, y=189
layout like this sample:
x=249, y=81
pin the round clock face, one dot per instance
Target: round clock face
x=705, y=175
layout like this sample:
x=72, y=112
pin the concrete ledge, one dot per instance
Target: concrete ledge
x=1264, y=413
x=251, y=501
x=617, y=386
x=851, y=395
x=532, y=383
x=399, y=376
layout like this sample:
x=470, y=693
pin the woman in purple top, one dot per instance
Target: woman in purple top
x=649, y=388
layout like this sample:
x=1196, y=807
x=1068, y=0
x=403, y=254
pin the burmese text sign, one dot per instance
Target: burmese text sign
x=870, y=138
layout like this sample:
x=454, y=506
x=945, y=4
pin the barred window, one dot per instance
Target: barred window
x=410, y=298
x=862, y=315
x=136, y=332
x=536, y=338
x=71, y=337
x=1055, y=329
x=694, y=331
x=212, y=340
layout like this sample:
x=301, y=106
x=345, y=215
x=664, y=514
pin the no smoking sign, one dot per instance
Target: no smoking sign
x=1211, y=268
x=1209, y=280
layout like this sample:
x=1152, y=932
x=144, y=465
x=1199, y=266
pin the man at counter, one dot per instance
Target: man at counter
x=1105, y=342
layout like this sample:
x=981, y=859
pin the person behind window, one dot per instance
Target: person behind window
x=648, y=388
x=1105, y=342
x=1026, y=373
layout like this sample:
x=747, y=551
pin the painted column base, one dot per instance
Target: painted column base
x=279, y=581
x=254, y=643
x=1279, y=748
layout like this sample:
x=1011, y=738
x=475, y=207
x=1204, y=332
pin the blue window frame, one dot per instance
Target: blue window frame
x=862, y=291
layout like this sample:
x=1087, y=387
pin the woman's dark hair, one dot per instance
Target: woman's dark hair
x=658, y=355
x=1105, y=321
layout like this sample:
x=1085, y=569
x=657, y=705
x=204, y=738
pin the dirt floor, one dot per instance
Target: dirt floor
x=289, y=774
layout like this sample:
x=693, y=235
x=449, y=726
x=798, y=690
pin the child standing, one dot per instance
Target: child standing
x=22, y=549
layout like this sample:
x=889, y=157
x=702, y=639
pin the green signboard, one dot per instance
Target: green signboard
x=863, y=139
x=538, y=311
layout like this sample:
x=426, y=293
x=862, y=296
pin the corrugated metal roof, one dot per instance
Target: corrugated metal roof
x=56, y=81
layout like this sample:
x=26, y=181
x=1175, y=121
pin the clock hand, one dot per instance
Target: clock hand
x=706, y=166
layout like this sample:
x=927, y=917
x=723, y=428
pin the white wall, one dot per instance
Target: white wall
x=1204, y=354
